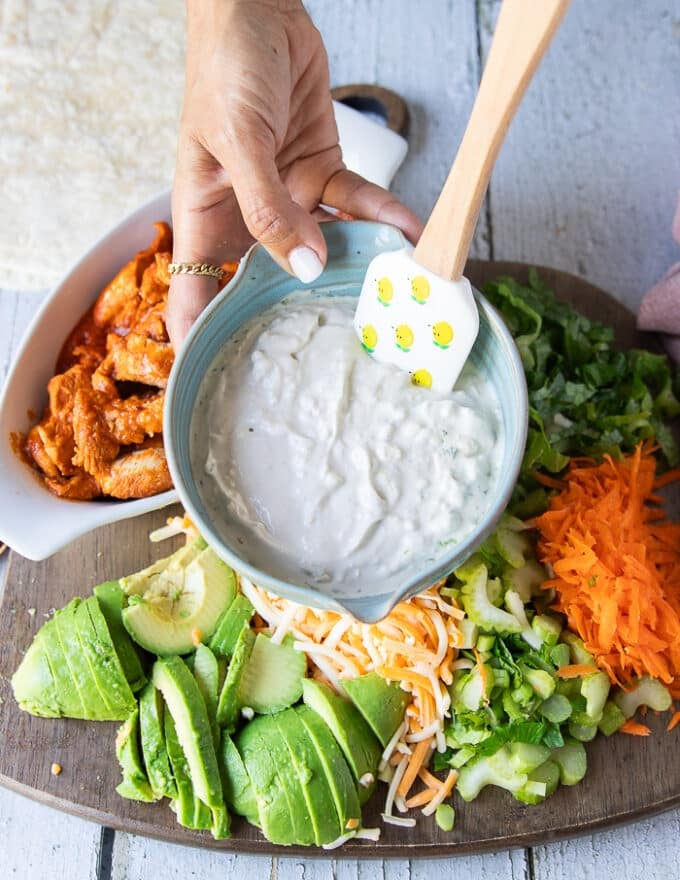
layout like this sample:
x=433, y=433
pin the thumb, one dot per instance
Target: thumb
x=282, y=226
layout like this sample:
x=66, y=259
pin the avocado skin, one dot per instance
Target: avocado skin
x=338, y=774
x=187, y=706
x=135, y=784
x=355, y=738
x=229, y=705
x=236, y=785
x=315, y=784
x=111, y=596
x=273, y=807
x=223, y=640
x=382, y=704
x=154, y=750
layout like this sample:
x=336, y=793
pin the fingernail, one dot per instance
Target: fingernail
x=305, y=264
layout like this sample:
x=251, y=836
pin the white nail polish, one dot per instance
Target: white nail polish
x=305, y=264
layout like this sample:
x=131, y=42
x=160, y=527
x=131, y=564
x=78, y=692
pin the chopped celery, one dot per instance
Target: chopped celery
x=546, y=775
x=512, y=708
x=524, y=580
x=512, y=544
x=572, y=761
x=612, y=718
x=542, y=683
x=485, y=643
x=501, y=678
x=526, y=757
x=468, y=633
x=445, y=816
x=548, y=629
x=515, y=606
x=469, y=689
x=583, y=732
x=465, y=571
x=577, y=650
x=556, y=708
x=461, y=757
x=479, y=608
x=646, y=692
x=524, y=694
x=595, y=689
x=494, y=590
x=495, y=769
x=559, y=654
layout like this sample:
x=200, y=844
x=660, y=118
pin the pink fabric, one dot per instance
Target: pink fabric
x=660, y=306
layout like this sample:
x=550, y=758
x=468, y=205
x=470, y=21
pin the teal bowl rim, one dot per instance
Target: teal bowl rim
x=366, y=608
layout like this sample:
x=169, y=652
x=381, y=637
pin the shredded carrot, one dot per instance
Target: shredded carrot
x=616, y=563
x=634, y=728
x=675, y=720
x=576, y=670
x=423, y=797
x=418, y=758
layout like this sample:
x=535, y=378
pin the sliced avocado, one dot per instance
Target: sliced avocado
x=180, y=604
x=274, y=749
x=135, y=785
x=223, y=640
x=206, y=672
x=65, y=647
x=83, y=637
x=382, y=704
x=183, y=804
x=272, y=803
x=338, y=774
x=230, y=705
x=311, y=772
x=187, y=707
x=356, y=739
x=111, y=596
x=107, y=668
x=272, y=678
x=40, y=685
x=35, y=685
x=236, y=785
x=154, y=750
x=139, y=582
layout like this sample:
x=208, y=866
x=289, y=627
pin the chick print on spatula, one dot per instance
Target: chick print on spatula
x=416, y=310
x=426, y=326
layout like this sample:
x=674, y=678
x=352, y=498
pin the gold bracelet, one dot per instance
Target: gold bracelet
x=196, y=269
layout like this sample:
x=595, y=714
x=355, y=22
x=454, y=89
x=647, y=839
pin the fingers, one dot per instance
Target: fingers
x=189, y=295
x=285, y=228
x=366, y=201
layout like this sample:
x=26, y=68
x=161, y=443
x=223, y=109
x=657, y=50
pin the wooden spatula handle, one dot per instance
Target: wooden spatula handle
x=523, y=32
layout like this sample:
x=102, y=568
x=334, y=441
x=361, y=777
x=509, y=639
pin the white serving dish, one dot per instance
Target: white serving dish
x=34, y=522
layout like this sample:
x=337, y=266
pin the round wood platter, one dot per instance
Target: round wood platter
x=628, y=777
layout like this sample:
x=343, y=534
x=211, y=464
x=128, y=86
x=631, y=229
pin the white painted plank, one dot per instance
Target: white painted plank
x=587, y=180
x=39, y=843
x=427, y=53
x=647, y=849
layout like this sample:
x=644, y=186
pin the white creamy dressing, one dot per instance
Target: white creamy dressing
x=333, y=464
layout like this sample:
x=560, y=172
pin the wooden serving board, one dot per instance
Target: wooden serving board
x=627, y=777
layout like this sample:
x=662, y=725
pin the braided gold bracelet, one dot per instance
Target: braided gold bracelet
x=196, y=269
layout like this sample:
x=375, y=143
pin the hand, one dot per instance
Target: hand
x=258, y=148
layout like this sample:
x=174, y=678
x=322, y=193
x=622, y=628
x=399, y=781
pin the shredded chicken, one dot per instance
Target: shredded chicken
x=101, y=432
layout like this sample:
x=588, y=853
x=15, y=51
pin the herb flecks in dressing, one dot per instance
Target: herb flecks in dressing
x=335, y=462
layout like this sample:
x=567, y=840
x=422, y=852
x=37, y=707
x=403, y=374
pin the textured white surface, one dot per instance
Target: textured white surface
x=586, y=182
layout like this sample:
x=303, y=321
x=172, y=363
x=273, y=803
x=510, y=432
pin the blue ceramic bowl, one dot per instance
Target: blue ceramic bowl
x=258, y=284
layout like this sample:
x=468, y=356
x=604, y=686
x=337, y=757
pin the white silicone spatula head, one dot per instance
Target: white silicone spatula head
x=415, y=309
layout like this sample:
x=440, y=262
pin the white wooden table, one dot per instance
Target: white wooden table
x=586, y=182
